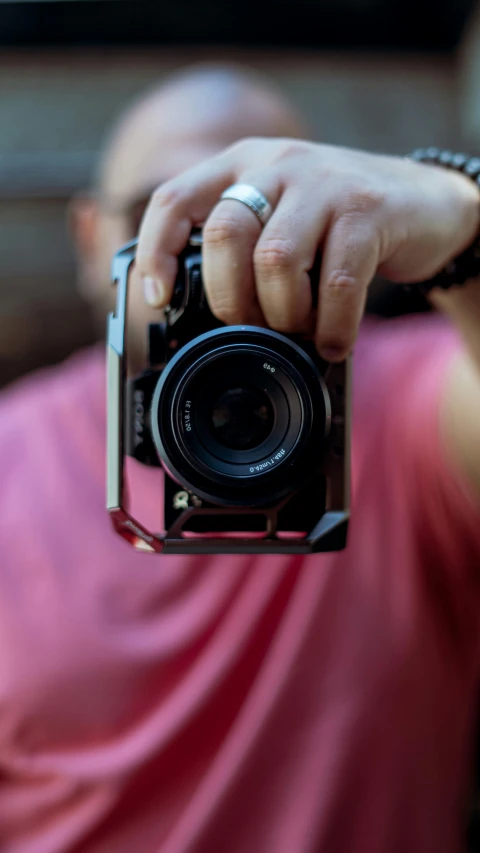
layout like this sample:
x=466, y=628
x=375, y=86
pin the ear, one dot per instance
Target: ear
x=83, y=220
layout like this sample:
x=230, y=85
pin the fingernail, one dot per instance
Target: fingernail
x=332, y=354
x=153, y=291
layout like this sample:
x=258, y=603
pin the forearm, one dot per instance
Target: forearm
x=462, y=305
x=460, y=415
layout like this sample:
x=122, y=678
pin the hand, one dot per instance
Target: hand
x=367, y=213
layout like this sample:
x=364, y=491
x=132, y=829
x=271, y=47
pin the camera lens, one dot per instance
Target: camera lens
x=239, y=416
x=242, y=418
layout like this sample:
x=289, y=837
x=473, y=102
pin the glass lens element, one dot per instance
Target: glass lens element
x=242, y=418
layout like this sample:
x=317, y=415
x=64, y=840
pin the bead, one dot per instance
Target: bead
x=473, y=167
x=418, y=154
x=432, y=154
x=459, y=161
x=445, y=158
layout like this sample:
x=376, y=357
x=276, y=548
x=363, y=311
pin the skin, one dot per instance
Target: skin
x=196, y=114
x=368, y=213
x=373, y=213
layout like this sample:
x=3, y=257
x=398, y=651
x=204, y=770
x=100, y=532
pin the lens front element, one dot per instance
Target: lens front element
x=242, y=418
x=239, y=415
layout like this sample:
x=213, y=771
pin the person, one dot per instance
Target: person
x=280, y=704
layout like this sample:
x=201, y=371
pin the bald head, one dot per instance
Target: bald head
x=194, y=114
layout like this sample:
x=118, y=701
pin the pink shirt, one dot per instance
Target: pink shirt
x=320, y=704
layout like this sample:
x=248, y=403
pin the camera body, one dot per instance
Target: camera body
x=251, y=427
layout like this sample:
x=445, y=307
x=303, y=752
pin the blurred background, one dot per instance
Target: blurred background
x=386, y=75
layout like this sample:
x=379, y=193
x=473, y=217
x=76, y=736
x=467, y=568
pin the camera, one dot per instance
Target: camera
x=251, y=428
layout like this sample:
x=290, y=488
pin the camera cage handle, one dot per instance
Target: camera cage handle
x=328, y=534
x=124, y=524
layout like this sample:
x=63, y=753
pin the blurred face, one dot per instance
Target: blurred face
x=120, y=209
x=103, y=224
x=162, y=137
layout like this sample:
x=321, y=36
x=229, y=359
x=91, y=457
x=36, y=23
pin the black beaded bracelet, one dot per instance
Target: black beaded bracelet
x=466, y=265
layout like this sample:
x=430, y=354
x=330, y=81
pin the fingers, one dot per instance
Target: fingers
x=349, y=262
x=283, y=257
x=266, y=283
x=261, y=276
x=229, y=239
x=174, y=209
x=230, y=235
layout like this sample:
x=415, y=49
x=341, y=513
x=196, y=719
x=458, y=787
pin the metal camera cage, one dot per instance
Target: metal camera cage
x=328, y=534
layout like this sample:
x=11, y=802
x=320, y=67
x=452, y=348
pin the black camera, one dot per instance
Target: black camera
x=251, y=427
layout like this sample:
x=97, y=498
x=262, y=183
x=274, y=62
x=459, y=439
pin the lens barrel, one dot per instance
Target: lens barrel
x=240, y=416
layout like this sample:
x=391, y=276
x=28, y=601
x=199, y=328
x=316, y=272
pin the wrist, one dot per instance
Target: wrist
x=459, y=177
x=467, y=193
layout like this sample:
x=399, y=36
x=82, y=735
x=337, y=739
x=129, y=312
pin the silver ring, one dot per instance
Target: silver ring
x=253, y=198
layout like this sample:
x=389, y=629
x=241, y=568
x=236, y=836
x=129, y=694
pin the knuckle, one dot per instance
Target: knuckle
x=341, y=285
x=245, y=144
x=363, y=200
x=167, y=195
x=292, y=148
x=220, y=229
x=275, y=255
x=243, y=151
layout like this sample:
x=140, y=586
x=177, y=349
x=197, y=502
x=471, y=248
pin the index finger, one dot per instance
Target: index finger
x=174, y=209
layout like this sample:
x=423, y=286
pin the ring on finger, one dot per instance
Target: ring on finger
x=252, y=198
